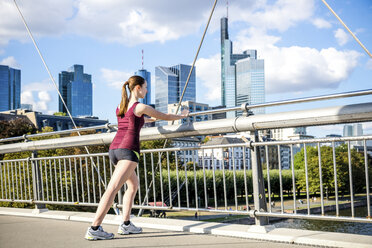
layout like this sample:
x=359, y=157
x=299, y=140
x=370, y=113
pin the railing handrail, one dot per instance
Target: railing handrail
x=243, y=107
x=246, y=106
x=249, y=144
x=25, y=137
x=312, y=117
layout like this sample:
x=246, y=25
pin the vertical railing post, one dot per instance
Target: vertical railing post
x=258, y=182
x=37, y=181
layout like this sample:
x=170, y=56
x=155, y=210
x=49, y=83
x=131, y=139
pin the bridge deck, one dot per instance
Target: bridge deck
x=20, y=228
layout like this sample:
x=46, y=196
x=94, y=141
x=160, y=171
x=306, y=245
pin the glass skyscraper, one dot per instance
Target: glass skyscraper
x=250, y=81
x=76, y=89
x=249, y=74
x=10, y=88
x=147, y=76
x=169, y=83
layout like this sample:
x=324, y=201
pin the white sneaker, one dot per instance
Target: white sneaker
x=131, y=228
x=98, y=234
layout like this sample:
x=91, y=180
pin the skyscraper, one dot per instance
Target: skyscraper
x=250, y=81
x=76, y=89
x=169, y=83
x=147, y=76
x=10, y=88
x=348, y=131
x=355, y=129
x=242, y=73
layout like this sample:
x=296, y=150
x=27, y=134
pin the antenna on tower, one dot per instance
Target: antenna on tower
x=227, y=9
x=142, y=59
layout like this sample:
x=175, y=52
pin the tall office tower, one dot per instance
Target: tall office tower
x=169, y=83
x=250, y=81
x=10, y=88
x=147, y=76
x=246, y=77
x=76, y=89
x=348, y=131
x=357, y=129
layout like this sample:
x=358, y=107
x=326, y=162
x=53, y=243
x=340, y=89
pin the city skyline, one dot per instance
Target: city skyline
x=242, y=75
x=297, y=62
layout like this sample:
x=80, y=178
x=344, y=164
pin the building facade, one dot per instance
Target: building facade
x=192, y=107
x=169, y=83
x=10, y=88
x=226, y=157
x=147, y=76
x=348, y=131
x=76, y=89
x=245, y=77
x=353, y=130
x=250, y=80
x=188, y=155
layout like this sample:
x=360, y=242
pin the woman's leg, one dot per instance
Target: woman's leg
x=124, y=170
x=129, y=195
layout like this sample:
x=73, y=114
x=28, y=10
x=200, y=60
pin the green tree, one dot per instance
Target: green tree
x=327, y=165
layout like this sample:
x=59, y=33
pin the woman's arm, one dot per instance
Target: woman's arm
x=147, y=120
x=150, y=111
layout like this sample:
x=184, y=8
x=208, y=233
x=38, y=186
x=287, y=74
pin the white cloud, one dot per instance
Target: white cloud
x=341, y=36
x=38, y=94
x=321, y=23
x=44, y=96
x=295, y=68
x=209, y=74
x=27, y=97
x=11, y=62
x=43, y=18
x=115, y=78
x=134, y=22
x=280, y=16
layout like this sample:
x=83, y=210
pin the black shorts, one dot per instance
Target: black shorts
x=123, y=154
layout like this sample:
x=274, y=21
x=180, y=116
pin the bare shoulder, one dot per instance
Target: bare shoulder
x=141, y=108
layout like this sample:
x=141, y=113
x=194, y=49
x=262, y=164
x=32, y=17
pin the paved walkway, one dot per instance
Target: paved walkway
x=35, y=228
x=18, y=231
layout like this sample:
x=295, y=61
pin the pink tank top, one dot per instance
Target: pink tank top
x=129, y=127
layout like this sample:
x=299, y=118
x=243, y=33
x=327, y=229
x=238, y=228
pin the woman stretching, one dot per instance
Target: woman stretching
x=124, y=153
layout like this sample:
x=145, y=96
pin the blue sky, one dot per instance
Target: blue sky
x=306, y=50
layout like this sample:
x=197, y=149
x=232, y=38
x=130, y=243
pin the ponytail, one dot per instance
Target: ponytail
x=132, y=82
x=124, y=100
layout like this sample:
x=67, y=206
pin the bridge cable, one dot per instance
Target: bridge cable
x=179, y=104
x=357, y=40
x=55, y=85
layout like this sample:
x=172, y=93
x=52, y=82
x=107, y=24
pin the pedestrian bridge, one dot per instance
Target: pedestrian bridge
x=245, y=178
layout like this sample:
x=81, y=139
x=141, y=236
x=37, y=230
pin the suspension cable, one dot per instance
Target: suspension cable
x=55, y=85
x=357, y=40
x=179, y=103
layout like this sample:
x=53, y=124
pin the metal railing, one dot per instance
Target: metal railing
x=221, y=178
x=217, y=179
